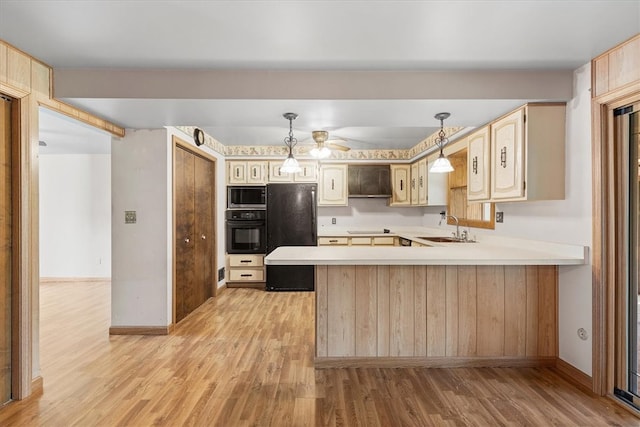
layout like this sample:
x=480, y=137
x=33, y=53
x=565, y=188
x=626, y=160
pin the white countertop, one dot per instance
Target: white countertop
x=489, y=250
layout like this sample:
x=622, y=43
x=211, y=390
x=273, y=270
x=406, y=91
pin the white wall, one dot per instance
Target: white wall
x=142, y=272
x=564, y=221
x=363, y=212
x=139, y=281
x=75, y=215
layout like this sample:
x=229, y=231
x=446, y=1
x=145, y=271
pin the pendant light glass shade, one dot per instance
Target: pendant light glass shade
x=442, y=164
x=290, y=164
x=320, y=152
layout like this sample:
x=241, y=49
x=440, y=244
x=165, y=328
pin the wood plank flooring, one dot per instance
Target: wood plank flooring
x=245, y=358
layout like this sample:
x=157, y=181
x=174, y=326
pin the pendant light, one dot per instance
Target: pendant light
x=442, y=164
x=290, y=164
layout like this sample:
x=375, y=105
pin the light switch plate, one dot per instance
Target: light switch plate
x=129, y=217
x=499, y=216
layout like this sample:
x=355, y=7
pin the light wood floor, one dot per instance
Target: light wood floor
x=245, y=358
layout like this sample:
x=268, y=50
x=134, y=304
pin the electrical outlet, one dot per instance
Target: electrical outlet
x=499, y=216
x=221, y=274
x=333, y=221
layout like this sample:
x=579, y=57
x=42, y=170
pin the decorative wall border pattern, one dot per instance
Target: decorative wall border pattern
x=281, y=151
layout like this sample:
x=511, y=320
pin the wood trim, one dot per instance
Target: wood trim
x=434, y=362
x=37, y=386
x=141, y=330
x=605, y=203
x=80, y=115
x=74, y=279
x=574, y=375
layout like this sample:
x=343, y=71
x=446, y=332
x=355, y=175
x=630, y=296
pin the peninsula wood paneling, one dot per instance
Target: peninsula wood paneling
x=436, y=313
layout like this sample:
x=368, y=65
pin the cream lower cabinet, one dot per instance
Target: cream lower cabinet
x=400, y=185
x=332, y=188
x=247, y=268
x=358, y=241
x=527, y=154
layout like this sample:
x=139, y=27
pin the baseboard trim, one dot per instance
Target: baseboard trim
x=141, y=330
x=74, y=279
x=434, y=362
x=37, y=386
x=574, y=375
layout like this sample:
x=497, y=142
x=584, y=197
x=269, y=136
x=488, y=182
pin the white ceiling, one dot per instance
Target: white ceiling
x=313, y=35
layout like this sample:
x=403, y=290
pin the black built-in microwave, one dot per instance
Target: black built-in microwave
x=247, y=197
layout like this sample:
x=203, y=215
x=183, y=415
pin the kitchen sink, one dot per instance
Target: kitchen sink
x=442, y=239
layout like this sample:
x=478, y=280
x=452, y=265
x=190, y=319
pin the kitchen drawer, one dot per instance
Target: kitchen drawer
x=322, y=241
x=361, y=241
x=246, y=260
x=383, y=241
x=240, y=275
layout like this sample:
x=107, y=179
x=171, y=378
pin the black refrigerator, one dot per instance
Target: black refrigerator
x=291, y=221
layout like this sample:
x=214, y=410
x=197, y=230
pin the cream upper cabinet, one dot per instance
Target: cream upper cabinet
x=422, y=183
x=400, y=185
x=332, y=186
x=308, y=172
x=246, y=172
x=256, y=172
x=413, y=188
x=236, y=172
x=527, y=154
x=478, y=158
x=276, y=174
x=507, y=146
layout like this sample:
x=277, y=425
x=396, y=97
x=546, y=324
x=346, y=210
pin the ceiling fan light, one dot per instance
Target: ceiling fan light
x=320, y=152
x=290, y=165
x=441, y=165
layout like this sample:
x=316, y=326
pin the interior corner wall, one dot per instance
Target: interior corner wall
x=140, y=179
x=564, y=221
x=75, y=215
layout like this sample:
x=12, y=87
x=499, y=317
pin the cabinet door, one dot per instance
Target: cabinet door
x=308, y=172
x=333, y=185
x=413, y=190
x=478, y=165
x=400, y=177
x=236, y=172
x=256, y=172
x=507, y=152
x=276, y=174
x=422, y=182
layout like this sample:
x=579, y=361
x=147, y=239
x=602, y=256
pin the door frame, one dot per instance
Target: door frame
x=607, y=249
x=178, y=142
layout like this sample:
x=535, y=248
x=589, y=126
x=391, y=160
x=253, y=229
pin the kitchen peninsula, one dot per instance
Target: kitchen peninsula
x=490, y=303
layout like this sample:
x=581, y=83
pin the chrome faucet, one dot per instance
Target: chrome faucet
x=457, y=236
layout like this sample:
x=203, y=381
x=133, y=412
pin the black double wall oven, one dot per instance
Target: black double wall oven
x=246, y=220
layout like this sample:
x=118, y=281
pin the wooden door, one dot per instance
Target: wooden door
x=5, y=251
x=184, y=236
x=195, y=279
x=204, y=232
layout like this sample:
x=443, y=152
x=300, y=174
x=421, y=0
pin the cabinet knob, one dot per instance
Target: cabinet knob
x=186, y=240
x=203, y=237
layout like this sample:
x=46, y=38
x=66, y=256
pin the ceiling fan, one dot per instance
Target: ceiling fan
x=324, y=145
